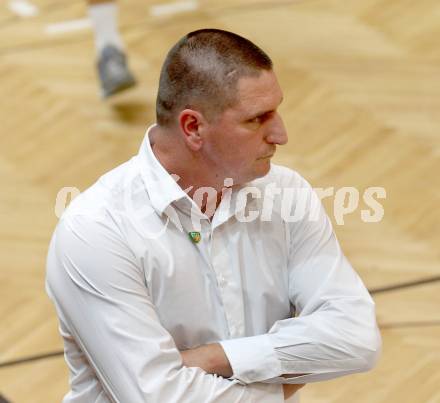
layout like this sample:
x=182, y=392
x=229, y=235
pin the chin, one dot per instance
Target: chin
x=262, y=170
x=259, y=170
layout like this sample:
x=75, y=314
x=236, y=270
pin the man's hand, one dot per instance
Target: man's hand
x=209, y=357
x=290, y=389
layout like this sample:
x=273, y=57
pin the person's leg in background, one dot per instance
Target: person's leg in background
x=114, y=74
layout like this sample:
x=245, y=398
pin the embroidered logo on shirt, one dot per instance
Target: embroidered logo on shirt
x=195, y=236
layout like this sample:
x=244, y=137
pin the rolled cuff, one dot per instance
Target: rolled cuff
x=252, y=359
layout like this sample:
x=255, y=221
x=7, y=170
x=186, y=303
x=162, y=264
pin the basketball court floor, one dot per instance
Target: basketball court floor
x=361, y=83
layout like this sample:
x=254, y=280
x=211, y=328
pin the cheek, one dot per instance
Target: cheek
x=239, y=148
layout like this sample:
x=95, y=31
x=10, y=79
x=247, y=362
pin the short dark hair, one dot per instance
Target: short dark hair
x=202, y=70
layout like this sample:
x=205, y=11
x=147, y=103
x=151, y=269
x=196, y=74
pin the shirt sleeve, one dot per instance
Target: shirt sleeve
x=334, y=332
x=100, y=293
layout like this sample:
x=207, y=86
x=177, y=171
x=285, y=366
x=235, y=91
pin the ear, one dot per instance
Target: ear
x=191, y=124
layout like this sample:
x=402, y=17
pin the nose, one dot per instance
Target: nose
x=276, y=132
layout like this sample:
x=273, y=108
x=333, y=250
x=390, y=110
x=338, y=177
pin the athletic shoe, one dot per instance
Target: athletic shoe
x=113, y=71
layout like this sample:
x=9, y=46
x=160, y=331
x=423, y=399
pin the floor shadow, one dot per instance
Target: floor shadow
x=133, y=112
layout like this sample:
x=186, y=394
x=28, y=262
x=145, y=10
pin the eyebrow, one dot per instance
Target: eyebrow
x=262, y=113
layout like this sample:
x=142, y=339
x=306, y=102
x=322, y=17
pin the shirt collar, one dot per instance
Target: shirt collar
x=162, y=189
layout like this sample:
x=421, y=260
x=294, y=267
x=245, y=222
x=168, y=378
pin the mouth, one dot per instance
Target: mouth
x=269, y=155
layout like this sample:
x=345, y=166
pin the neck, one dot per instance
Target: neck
x=206, y=190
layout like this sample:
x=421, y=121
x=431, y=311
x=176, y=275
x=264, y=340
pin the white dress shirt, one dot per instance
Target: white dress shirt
x=131, y=289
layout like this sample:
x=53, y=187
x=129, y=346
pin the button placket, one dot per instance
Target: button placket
x=229, y=291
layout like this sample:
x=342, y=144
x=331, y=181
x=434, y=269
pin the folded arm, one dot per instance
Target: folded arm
x=99, y=290
x=212, y=359
x=335, y=332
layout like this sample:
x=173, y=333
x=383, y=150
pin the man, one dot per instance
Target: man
x=176, y=280
x=113, y=72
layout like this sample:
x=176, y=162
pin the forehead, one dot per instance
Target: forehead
x=258, y=93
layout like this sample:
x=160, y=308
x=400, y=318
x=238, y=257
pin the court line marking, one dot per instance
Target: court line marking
x=31, y=358
x=421, y=323
x=42, y=45
x=173, y=8
x=68, y=26
x=23, y=8
x=408, y=284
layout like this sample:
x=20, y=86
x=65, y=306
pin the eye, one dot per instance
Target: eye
x=258, y=119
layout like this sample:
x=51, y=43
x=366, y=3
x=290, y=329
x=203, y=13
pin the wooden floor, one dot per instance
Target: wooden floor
x=361, y=81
